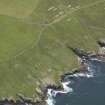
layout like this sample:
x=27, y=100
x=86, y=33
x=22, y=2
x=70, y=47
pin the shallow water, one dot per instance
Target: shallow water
x=86, y=88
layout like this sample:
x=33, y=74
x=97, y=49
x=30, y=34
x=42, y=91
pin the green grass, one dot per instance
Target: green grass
x=33, y=39
x=17, y=8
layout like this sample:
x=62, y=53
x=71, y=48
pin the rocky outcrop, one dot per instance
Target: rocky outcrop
x=82, y=69
x=86, y=55
x=22, y=100
x=101, y=42
x=80, y=52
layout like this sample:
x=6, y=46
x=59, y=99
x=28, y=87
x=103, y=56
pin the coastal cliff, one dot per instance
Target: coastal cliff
x=41, y=40
x=41, y=94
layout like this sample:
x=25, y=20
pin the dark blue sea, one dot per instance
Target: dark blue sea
x=85, y=90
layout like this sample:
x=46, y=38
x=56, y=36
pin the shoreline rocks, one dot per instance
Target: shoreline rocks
x=43, y=88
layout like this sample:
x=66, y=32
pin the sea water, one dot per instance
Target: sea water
x=83, y=88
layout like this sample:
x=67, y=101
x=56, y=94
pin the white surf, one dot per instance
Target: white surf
x=51, y=94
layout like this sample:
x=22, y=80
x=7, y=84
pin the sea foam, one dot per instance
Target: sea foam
x=51, y=93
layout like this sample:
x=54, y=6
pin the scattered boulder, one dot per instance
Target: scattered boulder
x=101, y=42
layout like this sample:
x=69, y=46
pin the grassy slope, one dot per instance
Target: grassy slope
x=17, y=8
x=33, y=40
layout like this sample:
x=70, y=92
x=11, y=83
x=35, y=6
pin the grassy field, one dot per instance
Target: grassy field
x=34, y=35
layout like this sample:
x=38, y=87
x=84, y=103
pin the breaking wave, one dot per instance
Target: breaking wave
x=51, y=93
